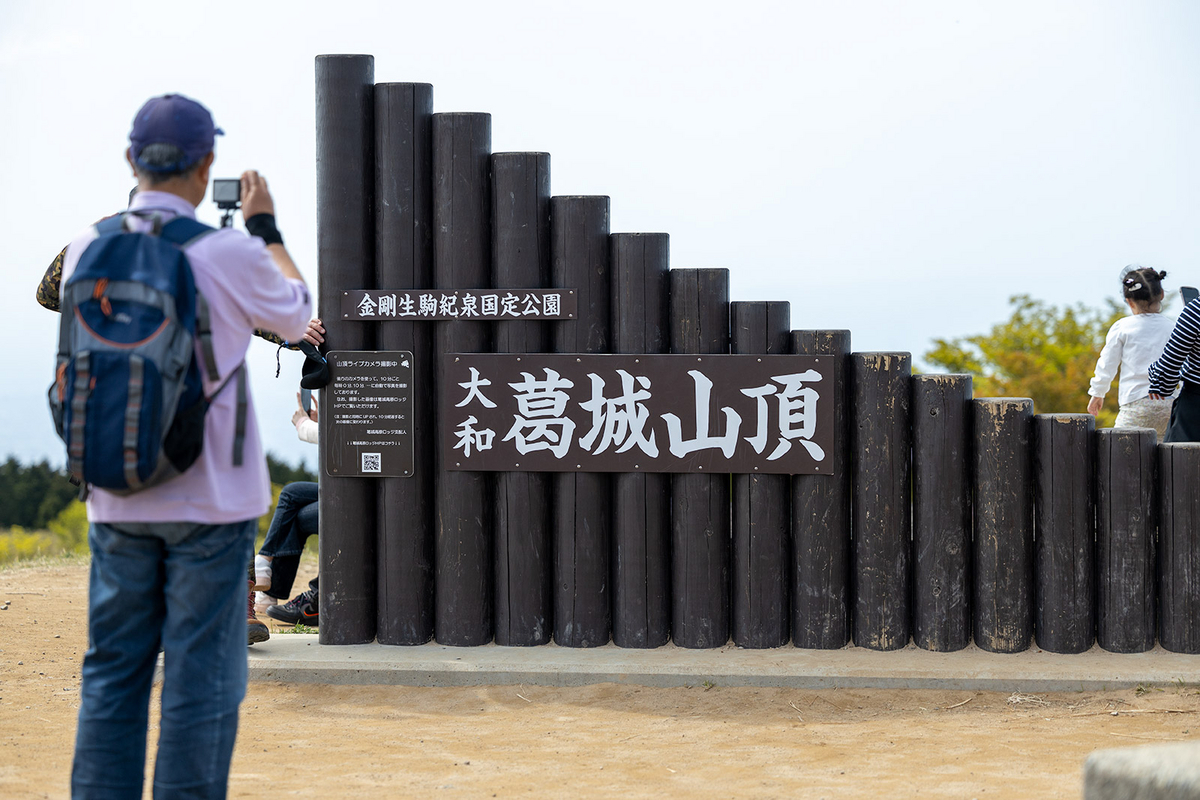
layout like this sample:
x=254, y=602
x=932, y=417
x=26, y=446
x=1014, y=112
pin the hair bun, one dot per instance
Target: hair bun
x=1162, y=274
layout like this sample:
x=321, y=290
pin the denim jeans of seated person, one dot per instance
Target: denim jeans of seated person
x=189, y=594
x=295, y=519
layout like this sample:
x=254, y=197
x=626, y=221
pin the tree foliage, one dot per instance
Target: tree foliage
x=1043, y=352
x=283, y=473
x=31, y=496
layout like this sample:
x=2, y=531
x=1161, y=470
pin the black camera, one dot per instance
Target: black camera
x=227, y=194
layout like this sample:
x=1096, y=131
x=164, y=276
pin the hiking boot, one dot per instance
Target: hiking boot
x=256, y=631
x=300, y=609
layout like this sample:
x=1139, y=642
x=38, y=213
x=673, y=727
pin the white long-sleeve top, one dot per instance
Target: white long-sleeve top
x=306, y=428
x=1132, y=344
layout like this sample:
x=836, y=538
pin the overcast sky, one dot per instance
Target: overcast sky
x=896, y=169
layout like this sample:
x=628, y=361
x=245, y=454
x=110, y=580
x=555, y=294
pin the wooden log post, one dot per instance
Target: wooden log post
x=1179, y=548
x=521, y=259
x=1126, y=522
x=404, y=260
x=462, y=254
x=941, y=412
x=820, y=524
x=345, y=260
x=582, y=500
x=880, y=403
x=1003, y=531
x=761, y=503
x=641, y=500
x=700, y=508
x=1065, y=529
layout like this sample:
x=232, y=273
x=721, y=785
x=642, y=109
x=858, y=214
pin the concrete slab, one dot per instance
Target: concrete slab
x=1154, y=772
x=298, y=658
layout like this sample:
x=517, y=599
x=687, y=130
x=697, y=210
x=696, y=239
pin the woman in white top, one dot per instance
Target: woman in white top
x=1132, y=344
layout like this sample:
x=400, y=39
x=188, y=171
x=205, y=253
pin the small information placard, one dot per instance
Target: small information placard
x=444, y=304
x=370, y=424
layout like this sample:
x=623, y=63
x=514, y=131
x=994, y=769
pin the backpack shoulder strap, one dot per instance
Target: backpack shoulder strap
x=184, y=231
x=243, y=405
x=110, y=225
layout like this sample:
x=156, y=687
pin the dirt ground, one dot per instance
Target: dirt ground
x=597, y=741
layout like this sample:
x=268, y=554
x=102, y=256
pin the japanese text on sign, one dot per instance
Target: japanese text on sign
x=437, y=304
x=369, y=432
x=645, y=413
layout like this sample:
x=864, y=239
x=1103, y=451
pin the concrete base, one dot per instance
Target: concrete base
x=298, y=658
x=1157, y=772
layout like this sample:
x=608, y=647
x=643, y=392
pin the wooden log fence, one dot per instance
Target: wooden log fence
x=404, y=260
x=346, y=258
x=820, y=523
x=936, y=516
x=761, y=504
x=462, y=259
x=1126, y=524
x=641, y=500
x=1003, y=546
x=582, y=500
x=941, y=408
x=521, y=259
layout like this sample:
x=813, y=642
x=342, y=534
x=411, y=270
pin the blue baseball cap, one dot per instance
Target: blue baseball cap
x=176, y=120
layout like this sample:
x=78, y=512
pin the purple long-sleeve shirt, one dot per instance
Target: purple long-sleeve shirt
x=245, y=290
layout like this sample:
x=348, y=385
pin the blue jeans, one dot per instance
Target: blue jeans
x=190, y=597
x=295, y=519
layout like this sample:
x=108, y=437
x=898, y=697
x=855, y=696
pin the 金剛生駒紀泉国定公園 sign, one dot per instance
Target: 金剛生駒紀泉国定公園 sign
x=482, y=305
x=637, y=413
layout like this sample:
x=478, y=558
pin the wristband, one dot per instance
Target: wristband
x=263, y=226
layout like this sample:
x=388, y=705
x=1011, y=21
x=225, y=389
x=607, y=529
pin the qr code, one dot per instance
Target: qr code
x=372, y=462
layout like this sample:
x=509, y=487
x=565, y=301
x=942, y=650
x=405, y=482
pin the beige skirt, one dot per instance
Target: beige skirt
x=1146, y=413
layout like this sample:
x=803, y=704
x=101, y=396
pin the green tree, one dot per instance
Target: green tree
x=283, y=473
x=31, y=496
x=1043, y=352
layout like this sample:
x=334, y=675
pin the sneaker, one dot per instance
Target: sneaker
x=263, y=601
x=300, y=609
x=256, y=631
x=262, y=573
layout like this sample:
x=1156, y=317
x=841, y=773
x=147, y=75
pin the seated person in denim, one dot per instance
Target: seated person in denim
x=294, y=521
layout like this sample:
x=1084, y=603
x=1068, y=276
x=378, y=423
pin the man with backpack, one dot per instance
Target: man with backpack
x=152, y=399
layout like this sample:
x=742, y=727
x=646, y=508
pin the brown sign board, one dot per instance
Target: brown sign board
x=370, y=414
x=445, y=304
x=637, y=413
